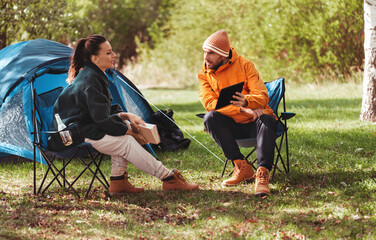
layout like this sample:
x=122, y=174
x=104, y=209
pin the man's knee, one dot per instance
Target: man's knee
x=210, y=117
x=268, y=120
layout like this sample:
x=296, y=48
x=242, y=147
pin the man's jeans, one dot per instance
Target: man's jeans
x=224, y=130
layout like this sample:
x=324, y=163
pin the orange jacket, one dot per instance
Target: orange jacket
x=237, y=69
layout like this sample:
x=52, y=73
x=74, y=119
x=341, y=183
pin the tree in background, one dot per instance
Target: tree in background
x=29, y=19
x=121, y=21
x=368, y=111
x=301, y=40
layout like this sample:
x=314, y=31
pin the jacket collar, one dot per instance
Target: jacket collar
x=98, y=70
x=233, y=56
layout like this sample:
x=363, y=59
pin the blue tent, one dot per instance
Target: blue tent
x=36, y=67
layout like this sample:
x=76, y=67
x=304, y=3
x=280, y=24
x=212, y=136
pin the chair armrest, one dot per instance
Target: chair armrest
x=45, y=132
x=287, y=115
x=200, y=115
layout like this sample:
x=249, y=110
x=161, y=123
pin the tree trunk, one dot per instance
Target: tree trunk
x=3, y=39
x=368, y=111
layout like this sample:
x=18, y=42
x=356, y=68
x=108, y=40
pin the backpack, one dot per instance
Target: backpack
x=172, y=137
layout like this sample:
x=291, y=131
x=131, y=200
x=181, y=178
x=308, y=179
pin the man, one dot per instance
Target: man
x=248, y=116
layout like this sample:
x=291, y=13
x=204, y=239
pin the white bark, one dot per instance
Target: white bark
x=368, y=111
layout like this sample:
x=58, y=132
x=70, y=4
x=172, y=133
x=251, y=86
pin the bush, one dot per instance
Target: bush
x=301, y=40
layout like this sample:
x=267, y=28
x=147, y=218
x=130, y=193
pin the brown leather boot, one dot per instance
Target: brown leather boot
x=243, y=171
x=262, y=182
x=120, y=186
x=177, y=182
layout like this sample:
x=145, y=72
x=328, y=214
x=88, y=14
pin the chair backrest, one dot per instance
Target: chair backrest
x=276, y=90
x=44, y=106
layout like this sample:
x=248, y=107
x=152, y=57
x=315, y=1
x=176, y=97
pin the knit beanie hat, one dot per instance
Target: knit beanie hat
x=218, y=42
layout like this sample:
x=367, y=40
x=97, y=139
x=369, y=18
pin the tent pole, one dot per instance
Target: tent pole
x=34, y=137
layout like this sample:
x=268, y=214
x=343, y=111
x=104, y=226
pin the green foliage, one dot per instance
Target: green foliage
x=29, y=19
x=301, y=40
x=122, y=21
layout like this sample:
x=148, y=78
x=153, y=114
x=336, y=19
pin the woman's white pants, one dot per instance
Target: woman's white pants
x=124, y=149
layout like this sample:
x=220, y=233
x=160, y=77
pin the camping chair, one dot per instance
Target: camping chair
x=276, y=91
x=89, y=157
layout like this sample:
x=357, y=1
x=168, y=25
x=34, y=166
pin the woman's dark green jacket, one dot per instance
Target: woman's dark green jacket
x=87, y=101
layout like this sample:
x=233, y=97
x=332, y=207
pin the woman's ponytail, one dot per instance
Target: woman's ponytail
x=86, y=47
x=77, y=61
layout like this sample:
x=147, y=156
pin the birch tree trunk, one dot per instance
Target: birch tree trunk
x=368, y=111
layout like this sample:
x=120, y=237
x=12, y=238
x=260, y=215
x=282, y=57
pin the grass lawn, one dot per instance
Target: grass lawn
x=329, y=194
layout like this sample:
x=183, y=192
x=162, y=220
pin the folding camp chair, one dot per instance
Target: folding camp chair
x=89, y=157
x=276, y=91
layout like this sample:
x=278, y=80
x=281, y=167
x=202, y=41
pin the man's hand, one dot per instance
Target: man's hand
x=253, y=113
x=133, y=118
x=240, y=100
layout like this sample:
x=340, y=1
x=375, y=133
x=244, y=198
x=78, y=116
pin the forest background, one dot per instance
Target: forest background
x=158, y=42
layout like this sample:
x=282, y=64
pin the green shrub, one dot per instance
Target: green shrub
x=301, y=40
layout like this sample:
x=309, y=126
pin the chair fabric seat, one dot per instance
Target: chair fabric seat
x=246, y=142
x=70, y=151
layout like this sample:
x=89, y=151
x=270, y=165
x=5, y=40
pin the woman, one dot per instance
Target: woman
x=87, y=100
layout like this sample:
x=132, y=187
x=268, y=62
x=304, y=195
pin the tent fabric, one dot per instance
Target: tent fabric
x=17, y=59
x=127, y=95
x=32, y=68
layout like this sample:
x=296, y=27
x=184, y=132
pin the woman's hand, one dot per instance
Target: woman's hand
x=133, y=118
x=139, y=138
x=254, y=113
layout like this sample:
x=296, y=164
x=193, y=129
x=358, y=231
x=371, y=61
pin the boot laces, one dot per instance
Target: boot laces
x=128, y=183
x=262, y=177
x=236, y=171
x=180, y=178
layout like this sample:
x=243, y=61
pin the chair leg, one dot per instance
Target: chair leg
x=50, y=168
x=279, y=158
x=59, y=173
x=97, y=165
x=104, y=183
x=95, y=176
x=251, y=162
x=287, y=154
x=224, y=168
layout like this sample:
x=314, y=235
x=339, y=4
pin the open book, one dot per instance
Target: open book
x=150, y=132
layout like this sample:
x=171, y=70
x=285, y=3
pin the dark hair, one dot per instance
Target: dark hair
x=85, y=48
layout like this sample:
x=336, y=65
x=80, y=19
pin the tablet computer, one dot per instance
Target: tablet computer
x=225, y=96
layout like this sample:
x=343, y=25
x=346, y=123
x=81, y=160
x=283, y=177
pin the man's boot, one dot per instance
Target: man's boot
x=262, y=182
x=177, y=182
x=243, y=171
x=120, y=186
